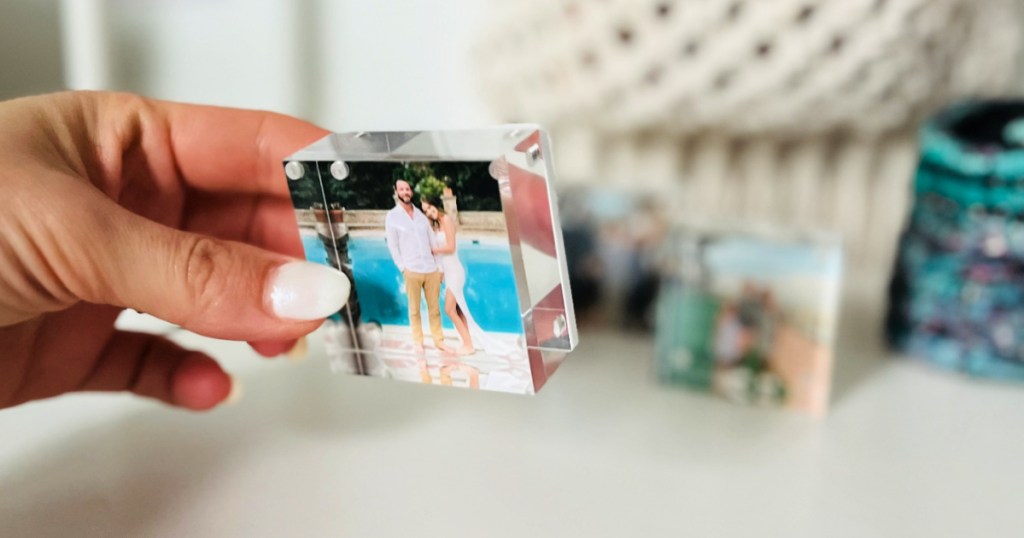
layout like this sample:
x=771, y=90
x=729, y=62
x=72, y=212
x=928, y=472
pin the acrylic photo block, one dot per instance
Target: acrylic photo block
x=750, y=316
x=453, y=245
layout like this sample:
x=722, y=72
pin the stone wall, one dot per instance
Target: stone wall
x=363, y=219
x=471, y=221
x=368, y=219
x=483, y=221
x=305, y=218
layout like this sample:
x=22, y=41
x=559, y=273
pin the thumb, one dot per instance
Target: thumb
x=217, y=288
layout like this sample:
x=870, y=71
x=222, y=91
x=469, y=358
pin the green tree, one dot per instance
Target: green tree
x=430, y=187
x=370, y=185
x=305, y=191
x=472, y=184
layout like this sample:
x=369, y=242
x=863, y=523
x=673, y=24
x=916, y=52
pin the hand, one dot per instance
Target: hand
x=112, y=201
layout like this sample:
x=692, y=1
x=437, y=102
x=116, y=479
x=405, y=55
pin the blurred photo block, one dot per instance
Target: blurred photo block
x=750, y=316
x=452, y=243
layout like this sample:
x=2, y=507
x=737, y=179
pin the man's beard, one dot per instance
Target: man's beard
x=405, y=200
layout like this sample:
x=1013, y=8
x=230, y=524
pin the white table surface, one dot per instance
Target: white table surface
x=601, y=451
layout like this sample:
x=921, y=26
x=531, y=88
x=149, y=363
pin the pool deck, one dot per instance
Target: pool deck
x=397, y=359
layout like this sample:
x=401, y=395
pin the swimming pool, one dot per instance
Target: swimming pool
x=490, y=285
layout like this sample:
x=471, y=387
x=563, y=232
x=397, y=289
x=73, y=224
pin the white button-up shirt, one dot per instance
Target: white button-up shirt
x=409, y=240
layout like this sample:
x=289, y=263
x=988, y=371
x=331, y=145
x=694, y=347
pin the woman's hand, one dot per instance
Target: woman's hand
x=112, y=201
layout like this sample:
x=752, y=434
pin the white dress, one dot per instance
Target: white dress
x=455, y=282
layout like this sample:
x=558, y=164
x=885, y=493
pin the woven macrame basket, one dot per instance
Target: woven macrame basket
x=793, y=112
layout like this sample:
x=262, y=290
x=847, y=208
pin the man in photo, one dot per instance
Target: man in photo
x=408, y=235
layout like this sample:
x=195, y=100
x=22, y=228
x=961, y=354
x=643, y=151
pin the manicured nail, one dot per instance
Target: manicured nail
x=236, y=392
x=299, y=351
x=306, y=291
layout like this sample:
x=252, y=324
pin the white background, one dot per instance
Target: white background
x=380, y=64
x=601, y=451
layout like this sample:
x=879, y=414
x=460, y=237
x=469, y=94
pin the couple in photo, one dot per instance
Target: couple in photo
x=423, y=246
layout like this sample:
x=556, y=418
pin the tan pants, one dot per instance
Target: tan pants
x=429, y=283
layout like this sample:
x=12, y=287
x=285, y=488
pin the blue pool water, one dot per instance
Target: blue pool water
x=490, y=285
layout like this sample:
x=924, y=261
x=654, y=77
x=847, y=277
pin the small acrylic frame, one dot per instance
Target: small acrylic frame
x=465, y=223
x=750, y=314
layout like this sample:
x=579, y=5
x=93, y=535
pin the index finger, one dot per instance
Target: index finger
x=233, y=150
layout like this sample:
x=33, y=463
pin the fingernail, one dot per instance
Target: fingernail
x=307, y=291
x=236, y=392
x=299, y=351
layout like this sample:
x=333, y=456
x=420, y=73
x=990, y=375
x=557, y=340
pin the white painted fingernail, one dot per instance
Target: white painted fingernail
x=306, y=291
x=236, y=392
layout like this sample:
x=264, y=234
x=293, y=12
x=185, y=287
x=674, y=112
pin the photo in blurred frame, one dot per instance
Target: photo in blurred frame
x=750, y=316
x=451, y=241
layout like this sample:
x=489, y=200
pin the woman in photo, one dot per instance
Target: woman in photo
x=730, y=337
x=445, y=248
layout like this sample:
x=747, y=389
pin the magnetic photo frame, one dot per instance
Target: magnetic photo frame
x=506, y=314
x=750, y=313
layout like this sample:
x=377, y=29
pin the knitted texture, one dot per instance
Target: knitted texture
x=856, y=187
x=784, y=67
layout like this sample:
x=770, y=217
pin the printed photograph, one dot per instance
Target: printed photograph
x=751, y=319
x=426, y=246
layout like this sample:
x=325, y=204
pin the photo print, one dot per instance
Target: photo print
x=426, y=246
x=751, y=317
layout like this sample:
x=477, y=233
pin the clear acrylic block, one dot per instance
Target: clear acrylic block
x=463, y=222
x=750, y=315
